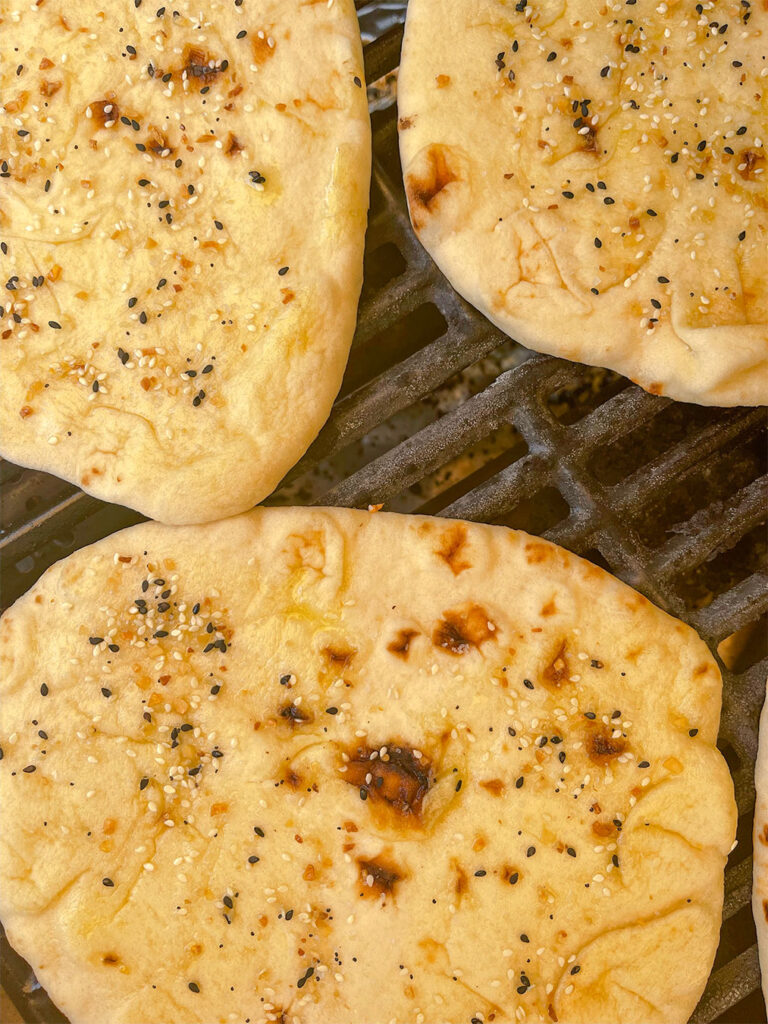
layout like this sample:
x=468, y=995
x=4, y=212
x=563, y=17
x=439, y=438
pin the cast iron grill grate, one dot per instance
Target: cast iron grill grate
x=442, y=413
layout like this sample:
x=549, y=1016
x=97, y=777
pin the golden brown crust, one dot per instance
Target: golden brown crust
x=239, y=785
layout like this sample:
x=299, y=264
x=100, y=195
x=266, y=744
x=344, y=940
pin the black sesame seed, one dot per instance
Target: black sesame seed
x=551, y=56
x=519, y=783
x=513, y=878
x=56, y=326
x=283, y=271
x=216, y=753
x=192, y=986
x=44, y=690
x=742, y=235
x=568, y=195
x=144, y=783
x=357, y=82
x=693, y=732
x=644, y=764
x=105, y=692
x=575, y=969
x=663, y=280
x=458, y=785
x=524, y=938
x=651, y=213
x=29, y=769
x=363, y=793
x=108, y=883
x=227, y=901
x=530, y=851
x=253, y=859
x=742, y=130
x=258, y=831
x=95, y=640
x=655, y=303
x=598, y=244
x=604, y=72
x=608, y=201
x=480, y=873
x=570, y=851
x=528, y=684
x=331, y=711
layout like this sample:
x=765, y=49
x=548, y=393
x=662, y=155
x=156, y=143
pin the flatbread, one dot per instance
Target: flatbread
x=322, y=765
x=760, y=849
x=183, y=209
x=594, y=179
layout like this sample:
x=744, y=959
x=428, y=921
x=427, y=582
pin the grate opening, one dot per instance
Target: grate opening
x=538, y=514
x=29, y=497
x=715, y=478
x=382, y=266
x=673, y=425
x=745, y=648
x=571, y=404
x=736, y=936
x=747, y=1010
x=482, y=462
x=384, y=125
x=384, y=350
x=733, y=761
x=10, y=474
x=725, y=570
x=595, y=556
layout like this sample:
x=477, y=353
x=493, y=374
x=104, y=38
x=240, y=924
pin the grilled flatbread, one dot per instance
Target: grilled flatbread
x=182, y=208
x=321, y=765
x=594, y=179
x=760, y=849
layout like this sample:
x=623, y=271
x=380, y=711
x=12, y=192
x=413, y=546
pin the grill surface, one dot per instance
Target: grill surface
x=441, y=413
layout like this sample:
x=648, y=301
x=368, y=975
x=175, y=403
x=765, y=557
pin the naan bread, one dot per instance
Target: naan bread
x=760, y=849
x=321, y=765
x=594, y=179
x=182, y=207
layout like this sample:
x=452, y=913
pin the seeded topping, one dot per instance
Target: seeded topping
x=164, y=248
x=272, y=757
x=596, y=157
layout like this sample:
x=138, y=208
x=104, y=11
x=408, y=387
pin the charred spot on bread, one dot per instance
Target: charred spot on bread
x=493, y=786
x=461, y=630
x=105, y=112
x=294, y=714
x=200, y=67
x=401, y=645
x=557, y=671
x=450, y=550
x=396, y=777
x=378, y=876
x=424, y=188
x=338, y=656
x=603, y=746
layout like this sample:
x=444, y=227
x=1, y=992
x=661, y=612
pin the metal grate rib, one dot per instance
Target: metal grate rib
x=544, y=438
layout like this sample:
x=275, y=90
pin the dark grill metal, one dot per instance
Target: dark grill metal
x=442, y=413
